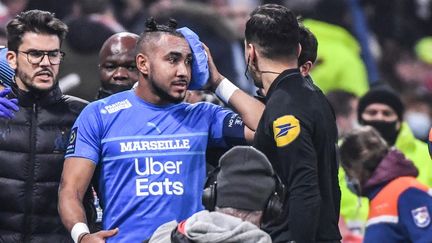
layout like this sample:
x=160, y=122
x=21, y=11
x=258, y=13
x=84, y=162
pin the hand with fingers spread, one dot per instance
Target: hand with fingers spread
x=7, y=106
x=99, y=236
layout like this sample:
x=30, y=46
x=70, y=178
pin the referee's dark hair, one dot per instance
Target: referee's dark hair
x=275, y=30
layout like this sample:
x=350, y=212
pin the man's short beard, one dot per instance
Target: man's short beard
x=258, y=83
x=26, y=81
x=249, y=73
x=162, y=93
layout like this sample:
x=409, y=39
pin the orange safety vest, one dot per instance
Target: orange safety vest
x=383, y=208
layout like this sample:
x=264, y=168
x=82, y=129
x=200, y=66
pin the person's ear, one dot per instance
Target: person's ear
x=305, y=68
x=251, y=54
x=142, y=62
x=11, y=57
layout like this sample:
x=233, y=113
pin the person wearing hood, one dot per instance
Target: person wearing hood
x=382, y=109
x=399, y=205
x=240, y=200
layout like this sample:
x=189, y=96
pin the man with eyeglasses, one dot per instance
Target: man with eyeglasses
x=33, y=141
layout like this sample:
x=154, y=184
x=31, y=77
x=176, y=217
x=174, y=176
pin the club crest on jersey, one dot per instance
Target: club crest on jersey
x=421, y=216
x=286, y=129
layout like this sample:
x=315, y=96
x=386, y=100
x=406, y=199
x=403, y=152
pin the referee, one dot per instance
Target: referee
x=297, y=131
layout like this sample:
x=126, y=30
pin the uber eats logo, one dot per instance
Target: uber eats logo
x=150, y=167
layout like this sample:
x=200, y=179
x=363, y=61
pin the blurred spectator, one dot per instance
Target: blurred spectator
x=9, y=9
x=339, y=65
x=79, y=74
x=338, y=49
x=397, y=26
x=241, y=196
x=400, y=205
x=345, y=108
x=131, y=13
x=353, y=210
x=414, y=68
x=237, y=13
x=61, y=8
x=383, y=109
x=412, y=74
x=86, y=35
x=398, y=23
x=418, y=114
x=87, y=32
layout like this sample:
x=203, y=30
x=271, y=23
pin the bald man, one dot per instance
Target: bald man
x=117, y=68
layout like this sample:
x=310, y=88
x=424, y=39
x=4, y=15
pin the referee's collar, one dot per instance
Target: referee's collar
x=285, y=74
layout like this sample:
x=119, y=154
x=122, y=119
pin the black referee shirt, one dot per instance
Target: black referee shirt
x=298, y=134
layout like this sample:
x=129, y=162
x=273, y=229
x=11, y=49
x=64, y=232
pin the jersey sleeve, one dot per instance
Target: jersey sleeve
x=297, y=157
x=85, y=135
x=415, y=208
x=226, y=128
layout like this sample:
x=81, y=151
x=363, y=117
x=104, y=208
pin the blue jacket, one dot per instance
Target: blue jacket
x=400, y=206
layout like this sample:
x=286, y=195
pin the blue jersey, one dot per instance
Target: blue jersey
x=151, y=158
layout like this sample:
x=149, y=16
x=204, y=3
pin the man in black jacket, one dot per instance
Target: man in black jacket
x=297, y=130
x=33, y=142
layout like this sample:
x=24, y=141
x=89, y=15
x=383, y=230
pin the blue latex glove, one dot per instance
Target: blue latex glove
x=7, y=106
x=200, y=69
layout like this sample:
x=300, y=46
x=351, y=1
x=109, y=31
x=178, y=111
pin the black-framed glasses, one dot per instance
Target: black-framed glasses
x=36, y=56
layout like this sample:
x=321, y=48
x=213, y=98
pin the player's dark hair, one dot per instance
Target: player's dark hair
x=155, y=30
